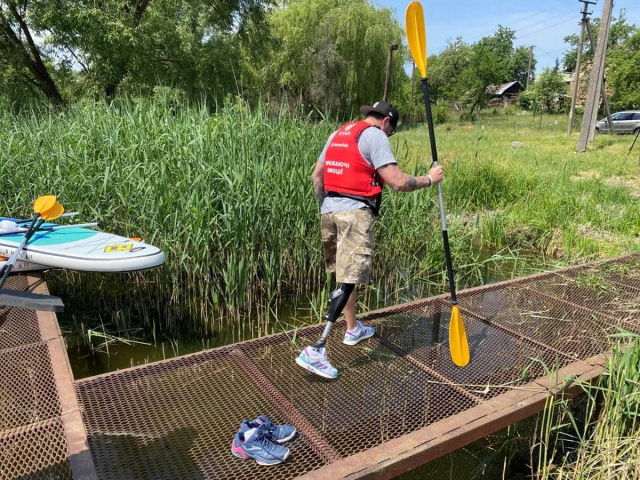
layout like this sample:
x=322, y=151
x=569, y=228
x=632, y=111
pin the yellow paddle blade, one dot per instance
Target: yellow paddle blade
x=44, y=203
x=54, y=212
x=416, y=36
x=458, y=339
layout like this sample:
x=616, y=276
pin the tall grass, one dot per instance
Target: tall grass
x=229, y=199
x=227, y=196
x=600, y=440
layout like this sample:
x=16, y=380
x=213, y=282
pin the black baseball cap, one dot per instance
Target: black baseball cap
x=383, y=108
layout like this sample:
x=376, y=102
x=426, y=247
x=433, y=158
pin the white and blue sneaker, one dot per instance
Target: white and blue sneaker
x=254, y=443
x=278, y=433
x=352, y=337
x=315, y=360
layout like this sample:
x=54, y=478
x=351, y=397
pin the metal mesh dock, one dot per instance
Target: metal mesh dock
x=176, y=419
x=399, y=401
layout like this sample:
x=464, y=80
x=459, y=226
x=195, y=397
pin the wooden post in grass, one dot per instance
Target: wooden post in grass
x=392, y=47
x=591, y=106
x=574, y=96
x=529, y=68
x=603, y=87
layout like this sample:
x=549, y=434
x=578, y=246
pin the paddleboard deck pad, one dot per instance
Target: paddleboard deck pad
x=80, y=249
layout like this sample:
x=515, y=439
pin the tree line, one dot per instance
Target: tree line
x=325, y=55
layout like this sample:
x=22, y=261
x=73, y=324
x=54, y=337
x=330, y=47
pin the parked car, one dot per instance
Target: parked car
x=623, y=122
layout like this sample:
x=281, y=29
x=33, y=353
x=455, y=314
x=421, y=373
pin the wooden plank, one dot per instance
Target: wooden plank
x=80, y=460
x=422, y=446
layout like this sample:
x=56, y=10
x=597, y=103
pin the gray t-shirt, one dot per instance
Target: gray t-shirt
x=375, y=148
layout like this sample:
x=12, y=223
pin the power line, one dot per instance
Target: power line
x=525, y=18
x=566, y=14
x=547, y=53
x=563, y=49
x=541, y=11
x=566, y=19
x=545, y=28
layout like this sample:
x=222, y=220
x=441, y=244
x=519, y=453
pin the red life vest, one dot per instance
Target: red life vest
x=345, y=169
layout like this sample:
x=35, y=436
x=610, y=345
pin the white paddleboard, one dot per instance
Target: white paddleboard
x=21, y=266
x=81, y=249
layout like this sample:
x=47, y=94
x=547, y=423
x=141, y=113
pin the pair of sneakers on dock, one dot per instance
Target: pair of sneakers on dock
x=315, y=359
x=261, y=440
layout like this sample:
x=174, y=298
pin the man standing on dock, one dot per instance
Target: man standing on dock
x=348, y=178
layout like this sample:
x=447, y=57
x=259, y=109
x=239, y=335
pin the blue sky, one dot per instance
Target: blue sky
x=543, y=24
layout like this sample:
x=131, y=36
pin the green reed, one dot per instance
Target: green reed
x=228, y=197
x=597, y=438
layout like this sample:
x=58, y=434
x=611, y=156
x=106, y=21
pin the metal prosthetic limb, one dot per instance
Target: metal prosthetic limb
x=337, y=301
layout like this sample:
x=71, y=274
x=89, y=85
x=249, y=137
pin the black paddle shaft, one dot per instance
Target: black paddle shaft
x=6, y=269
x=434, y=154
x=632, y=145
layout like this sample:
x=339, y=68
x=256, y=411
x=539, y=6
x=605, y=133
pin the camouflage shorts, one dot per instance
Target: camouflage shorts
x=347, y=238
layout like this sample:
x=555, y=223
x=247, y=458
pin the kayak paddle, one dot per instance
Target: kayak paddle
x=417, y=39
x=45, y=208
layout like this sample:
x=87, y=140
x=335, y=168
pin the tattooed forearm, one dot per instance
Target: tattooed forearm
x=400, y=181
x=318, y=187
x=411, y=183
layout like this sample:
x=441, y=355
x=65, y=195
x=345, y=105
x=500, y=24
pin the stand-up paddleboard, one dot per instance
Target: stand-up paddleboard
x=21, y=266
x=81, y=249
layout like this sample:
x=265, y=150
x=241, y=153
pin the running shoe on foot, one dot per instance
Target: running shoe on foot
x=315, y=360
x=253, y=443
x=278, y=433
x=352, y=337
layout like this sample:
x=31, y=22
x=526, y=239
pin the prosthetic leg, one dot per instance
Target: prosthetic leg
x=314, y=357
x=337, y=301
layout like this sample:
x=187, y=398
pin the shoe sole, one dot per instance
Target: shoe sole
x=277, y=463
x=313, y=369
x=244, y=456
x=286, y=439
x=355, y=342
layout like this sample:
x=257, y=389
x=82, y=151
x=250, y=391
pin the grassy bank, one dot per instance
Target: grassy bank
x=597, y=437
x=591, y=436
x=229, y=199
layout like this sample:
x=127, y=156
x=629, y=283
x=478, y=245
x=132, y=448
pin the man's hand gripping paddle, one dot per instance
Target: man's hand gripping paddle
x=418, y=47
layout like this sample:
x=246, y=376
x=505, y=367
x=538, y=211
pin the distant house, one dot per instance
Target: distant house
x=504, y=94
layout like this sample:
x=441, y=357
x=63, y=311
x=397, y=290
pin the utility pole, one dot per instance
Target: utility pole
x=392, y=47
x=529, y=68
x=413, y=74
x=574, y=97
x=595, y=79
x=603, y=86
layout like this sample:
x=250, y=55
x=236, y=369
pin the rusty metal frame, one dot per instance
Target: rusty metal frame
x=319, y=444
x=80, y=460
x=413, y=449
x=52, y=441
x=410, y=451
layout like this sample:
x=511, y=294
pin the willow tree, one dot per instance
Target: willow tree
x=143, y=43
x=331, y=53
x=21, y=54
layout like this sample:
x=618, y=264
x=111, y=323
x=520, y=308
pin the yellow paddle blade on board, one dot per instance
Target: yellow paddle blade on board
x=416, y=36
x=458, y=339
x=44, y=204
x=54, y=212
